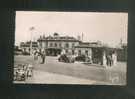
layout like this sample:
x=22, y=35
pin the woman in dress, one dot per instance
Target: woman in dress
x=104, y=59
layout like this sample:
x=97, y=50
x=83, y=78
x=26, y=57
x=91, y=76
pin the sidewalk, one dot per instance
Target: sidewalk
x=54, y=72
x=41, y=77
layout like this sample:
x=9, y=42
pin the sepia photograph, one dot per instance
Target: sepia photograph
x=85, y=48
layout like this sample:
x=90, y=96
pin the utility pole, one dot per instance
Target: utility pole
x=82, y=36
x=31, y=31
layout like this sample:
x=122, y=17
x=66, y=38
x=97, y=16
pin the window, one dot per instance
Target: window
x=73, y=44
x=40, y=44
x=79, y=52
x=55, y=44
x=66, y=51
x=59, y=44
x=51, y=44
x=66, y=45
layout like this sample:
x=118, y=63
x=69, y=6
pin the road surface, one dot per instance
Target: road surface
x=54, y=72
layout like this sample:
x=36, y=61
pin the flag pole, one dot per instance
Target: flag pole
x=31, y=29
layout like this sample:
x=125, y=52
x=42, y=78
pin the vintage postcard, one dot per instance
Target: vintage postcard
x=87, y=48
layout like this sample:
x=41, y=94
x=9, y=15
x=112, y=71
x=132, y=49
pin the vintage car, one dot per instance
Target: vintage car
x=83, y=58
x=22, y=72
x=25, y=53
x=80, y=58
x=18, y=52
x=21, y=75
x=66, y=58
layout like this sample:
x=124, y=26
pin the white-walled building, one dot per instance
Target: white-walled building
x=26, y=46
x=57, y=44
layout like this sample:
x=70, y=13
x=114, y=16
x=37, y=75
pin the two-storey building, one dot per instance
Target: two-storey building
x=57, y=44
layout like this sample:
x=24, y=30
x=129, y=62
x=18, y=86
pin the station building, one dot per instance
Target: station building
x=57, y=44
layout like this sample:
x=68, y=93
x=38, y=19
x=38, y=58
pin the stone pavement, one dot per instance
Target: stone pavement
x=41, y=77
x=54, y=72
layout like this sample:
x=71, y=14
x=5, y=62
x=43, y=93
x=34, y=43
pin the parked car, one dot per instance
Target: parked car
x=80, y=58
x=22, y=72
x=66, y=58
x=25, y=53
x=83, y=58
x=17, y=52
x=21, y=75
x=71, y=58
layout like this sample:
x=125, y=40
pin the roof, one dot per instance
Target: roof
x=57, y=38
x=88, y=45
x=27, y=44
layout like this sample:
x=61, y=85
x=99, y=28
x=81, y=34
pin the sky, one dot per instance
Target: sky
x=106, y=27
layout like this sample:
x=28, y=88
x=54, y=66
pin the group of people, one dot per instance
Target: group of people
x=40, y=56
x=110, y=59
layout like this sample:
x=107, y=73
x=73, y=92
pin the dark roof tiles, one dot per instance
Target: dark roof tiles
x=58, y=38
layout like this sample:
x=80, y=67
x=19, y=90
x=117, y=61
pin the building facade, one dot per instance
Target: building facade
x=57, y=44
x=27, y=46
x=91, y=49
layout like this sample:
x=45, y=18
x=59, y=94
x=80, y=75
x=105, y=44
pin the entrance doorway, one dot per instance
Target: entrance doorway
x=53, y=51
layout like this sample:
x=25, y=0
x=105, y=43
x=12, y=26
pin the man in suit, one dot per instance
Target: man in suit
x=43, y=56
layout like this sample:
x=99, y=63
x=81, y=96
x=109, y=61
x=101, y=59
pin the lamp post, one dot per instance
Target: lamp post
x=31, y=29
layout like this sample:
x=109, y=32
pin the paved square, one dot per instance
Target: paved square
x=54, y=72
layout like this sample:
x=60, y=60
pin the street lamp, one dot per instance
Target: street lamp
x=31, y=29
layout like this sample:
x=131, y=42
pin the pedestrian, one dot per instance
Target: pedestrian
x=39, y=56
x=43, y=56
x=110, y=60
x=35, y=54
x=108, y=57
x=90, y=59
x=104, y=59
x=114, y=58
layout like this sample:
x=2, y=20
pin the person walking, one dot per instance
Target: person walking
x=43, y=56
x=104, y=59
x=114, y=58
x=39, y=56
x=110, y=60
x=35, y=54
